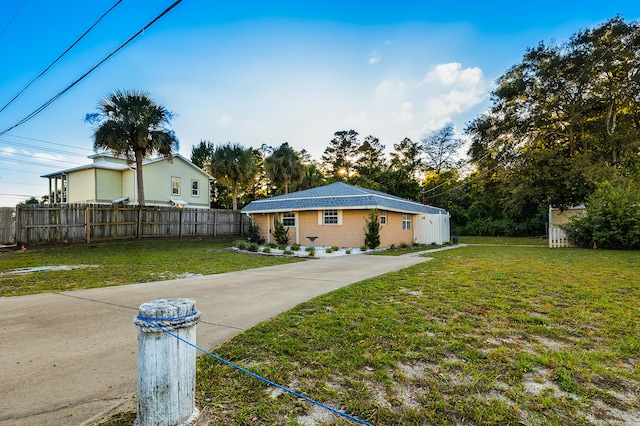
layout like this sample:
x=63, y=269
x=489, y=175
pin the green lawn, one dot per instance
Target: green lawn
x=480, y=335
x=118, y=263
x=505, y=241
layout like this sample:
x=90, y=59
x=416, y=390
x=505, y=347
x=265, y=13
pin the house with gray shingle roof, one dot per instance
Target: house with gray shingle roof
x=108, y=179
x=336, y=214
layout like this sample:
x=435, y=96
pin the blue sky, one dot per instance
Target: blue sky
x=263, y=72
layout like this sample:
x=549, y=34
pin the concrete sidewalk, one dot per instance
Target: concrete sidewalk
x=69, y=358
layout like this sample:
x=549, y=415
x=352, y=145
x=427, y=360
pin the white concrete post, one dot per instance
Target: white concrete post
x=166, y=365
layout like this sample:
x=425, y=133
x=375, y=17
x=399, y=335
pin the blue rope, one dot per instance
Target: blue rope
x=151, y=319
x=244, y=370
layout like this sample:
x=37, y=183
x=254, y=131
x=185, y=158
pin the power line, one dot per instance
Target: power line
x=2, y=169
x=31, y=156
x=55, y=151
x=69, y=87
x=31, y=163
x=12, y=18
x=60, y=57
x=20, y=183
x=50, y=143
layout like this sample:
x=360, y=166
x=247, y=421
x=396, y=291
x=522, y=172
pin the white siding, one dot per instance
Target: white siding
x=432, y=228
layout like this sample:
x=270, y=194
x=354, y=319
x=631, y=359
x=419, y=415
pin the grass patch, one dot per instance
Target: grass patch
x=505, y=241
x=480, y=335
x=118, y=263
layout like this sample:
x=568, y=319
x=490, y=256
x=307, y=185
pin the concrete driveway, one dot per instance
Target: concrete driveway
x=70, y=358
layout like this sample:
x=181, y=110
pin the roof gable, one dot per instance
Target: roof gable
x=112, y=163
x=337, y=195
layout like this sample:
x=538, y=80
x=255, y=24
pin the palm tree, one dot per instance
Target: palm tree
x=234, y=166
x=132, y=125
x=284, y=166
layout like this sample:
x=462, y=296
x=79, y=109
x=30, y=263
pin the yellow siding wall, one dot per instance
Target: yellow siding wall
x=157, y=183
x=110, y=185
x=81, y=186
x=348, y=234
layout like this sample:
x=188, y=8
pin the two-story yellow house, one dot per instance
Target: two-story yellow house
x=167, y=182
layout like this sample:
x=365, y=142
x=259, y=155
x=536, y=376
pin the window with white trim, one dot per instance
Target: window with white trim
x=289, y=219
x=195, y=188
x=175, y=186
x=330, y=217
x=383, y=218
x=406, y=222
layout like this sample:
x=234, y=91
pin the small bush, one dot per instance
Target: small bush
x=404, y=245
x=282, y=246
x=272, y=245
x=266, y=250
x=288, y=251
x=241, y=244
x=253, y=233
x=328, y=250
x=254, y=247
x=363, y=248
x=312, y=251
x=281, y=234
x=348, y=251
x=295, y=247
x=392, y=247
x=335, y=248
x=612, y=219
x=372, y=230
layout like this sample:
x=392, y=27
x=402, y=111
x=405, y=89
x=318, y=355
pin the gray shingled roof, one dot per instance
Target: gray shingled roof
x=338, y=196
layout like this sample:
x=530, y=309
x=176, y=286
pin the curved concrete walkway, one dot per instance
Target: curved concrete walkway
x=69, y=358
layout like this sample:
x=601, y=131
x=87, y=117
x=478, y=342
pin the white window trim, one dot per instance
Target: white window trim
x=383, y=215
x=406, y=219
x=321, y=218
x=176, y=178
x=294, y=217
x=197, y=182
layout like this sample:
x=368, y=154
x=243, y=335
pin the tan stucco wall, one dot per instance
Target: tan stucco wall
x=350, y=233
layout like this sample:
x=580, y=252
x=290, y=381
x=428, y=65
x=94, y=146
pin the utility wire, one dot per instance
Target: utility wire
x=12, y=18
x=105, y=59
x=60, y=57
x=49, y=142
x=54, y=150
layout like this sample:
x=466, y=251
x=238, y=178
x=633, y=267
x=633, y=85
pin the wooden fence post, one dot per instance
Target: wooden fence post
x=87, y=221
x=166, y=365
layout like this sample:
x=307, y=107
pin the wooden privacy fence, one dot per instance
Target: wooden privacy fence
x=36, y=224
x=7, y=225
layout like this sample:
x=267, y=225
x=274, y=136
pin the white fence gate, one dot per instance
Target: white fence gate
x=557, y=218
x=557, y=238
x=433, y=229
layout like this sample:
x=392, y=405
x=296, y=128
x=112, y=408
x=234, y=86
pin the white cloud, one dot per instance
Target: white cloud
x=374, y=58
x=452, y=74
x=7, y=150
x=404, y=108
x=48, y=157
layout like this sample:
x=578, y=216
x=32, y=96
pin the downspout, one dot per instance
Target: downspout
x=135, y=187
